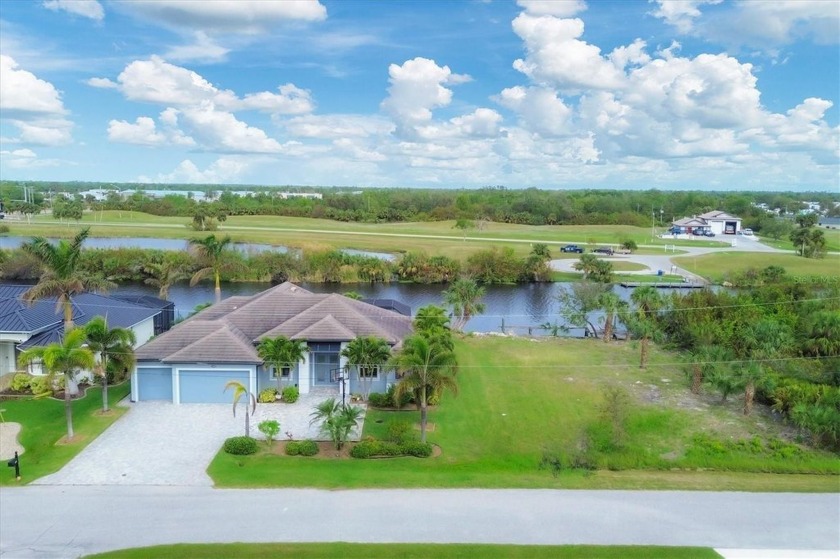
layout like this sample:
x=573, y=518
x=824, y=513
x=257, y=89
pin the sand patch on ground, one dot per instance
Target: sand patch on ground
x=8, y=440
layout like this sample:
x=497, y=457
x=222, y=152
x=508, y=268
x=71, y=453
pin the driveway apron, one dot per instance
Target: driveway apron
x=154, y=443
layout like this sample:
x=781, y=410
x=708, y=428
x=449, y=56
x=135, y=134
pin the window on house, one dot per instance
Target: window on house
x=285, y=372
x=369, y=371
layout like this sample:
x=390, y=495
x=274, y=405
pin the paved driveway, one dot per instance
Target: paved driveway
x=154, y=443
x=159, y=443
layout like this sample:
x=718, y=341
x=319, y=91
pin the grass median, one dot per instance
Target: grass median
x=719, y=266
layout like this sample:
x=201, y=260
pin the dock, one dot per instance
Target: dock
x=664, y=285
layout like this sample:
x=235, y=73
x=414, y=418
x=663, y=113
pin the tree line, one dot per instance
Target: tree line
x=498, y=204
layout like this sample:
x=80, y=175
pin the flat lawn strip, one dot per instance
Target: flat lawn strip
x=406, y=551
x=267, y=228
x=43, y=424
x=716, y=266
x=518, y=397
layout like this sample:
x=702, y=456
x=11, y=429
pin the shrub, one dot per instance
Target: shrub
x=267, y=395
x=240, y=445
x=291, y=394
x=302, y=448
x=372, y=448
x=21, y=382
x=416, y=448
x=629, y=244
x=270, y=428
x=40, y=386
x=4, y=228
x=400, y=432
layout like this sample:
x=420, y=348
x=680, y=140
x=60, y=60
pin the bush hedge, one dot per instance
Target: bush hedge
x=302, y=448
x=21, y=382
x=240, y=445
x=374, y=449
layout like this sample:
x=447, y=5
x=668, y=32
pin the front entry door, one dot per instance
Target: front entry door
x=325, y=358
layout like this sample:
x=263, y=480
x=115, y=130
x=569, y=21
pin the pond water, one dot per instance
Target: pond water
x=519, y=309
x=12, y=242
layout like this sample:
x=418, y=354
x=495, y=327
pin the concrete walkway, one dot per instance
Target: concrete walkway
x=61, y=522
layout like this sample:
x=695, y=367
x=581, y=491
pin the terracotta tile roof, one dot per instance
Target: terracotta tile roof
x=230, y=330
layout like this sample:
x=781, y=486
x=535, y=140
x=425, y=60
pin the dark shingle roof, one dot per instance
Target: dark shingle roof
x=228, y=331
x=44, y=315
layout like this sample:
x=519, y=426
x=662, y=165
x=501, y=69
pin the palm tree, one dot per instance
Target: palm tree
x=612, y=305
x=822, y=334
x=65, y=358
x=463, y=296
x=432, y=322
x=62, y=277
x=763, y=341
x=163, y=274
x=211, y=251
x=647, y=303
x=337, y=420
x=239, y=390
x=425, y=365
x=115, y=348
x=704, y=362
x=367, y=354
x=281, y=352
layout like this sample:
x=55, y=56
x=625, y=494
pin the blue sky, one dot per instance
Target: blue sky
x=669, y=94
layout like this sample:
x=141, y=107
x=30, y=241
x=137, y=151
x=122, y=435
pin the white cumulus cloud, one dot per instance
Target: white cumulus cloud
x=219, y=130
x=417, y=87
x=223, y=170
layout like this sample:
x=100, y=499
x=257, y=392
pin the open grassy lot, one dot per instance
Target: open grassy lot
x=716, y=266
x=43, y=424
x=405, y=551
x=832, y=241
x=307, y=232
x=519, y=397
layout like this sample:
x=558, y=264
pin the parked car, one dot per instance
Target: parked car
x=747, y=232
x=708, y=233
x=572, y=248
x=604, y=250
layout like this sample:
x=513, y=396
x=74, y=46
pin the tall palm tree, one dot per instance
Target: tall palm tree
x=612, y=305
x=281, y=352
x=163, y=274
x=240, y=390
x=464, y=296
x=647, y=302
x=367, y=354
x=115, y=348
x=65, y=358
x=426, y=365
x=211, y=251
x=61, y=277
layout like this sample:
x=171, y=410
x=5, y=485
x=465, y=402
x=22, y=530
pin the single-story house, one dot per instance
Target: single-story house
x=192, y=362
x=718, y=222
x=23, y=326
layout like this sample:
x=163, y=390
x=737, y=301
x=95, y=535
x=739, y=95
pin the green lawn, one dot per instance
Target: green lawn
x=323, y=233
x=716, y=266
x=43, y=424
x=832, y=241
x=405, y=551
x=519, y=397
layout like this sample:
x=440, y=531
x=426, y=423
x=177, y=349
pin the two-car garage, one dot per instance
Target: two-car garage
x=187, y=385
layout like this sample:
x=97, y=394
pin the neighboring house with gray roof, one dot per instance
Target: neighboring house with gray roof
x=23, y=325
x=192, y=362
x=718, y=222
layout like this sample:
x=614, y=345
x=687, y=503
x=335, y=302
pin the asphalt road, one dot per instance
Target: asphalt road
x=61, y=522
